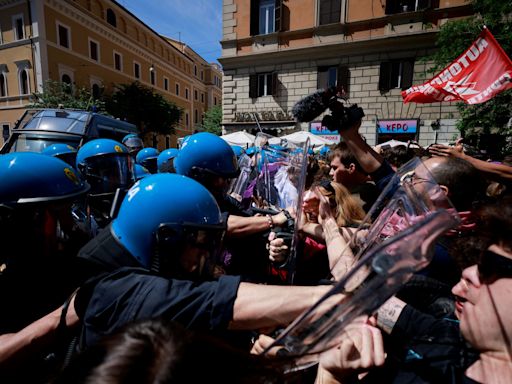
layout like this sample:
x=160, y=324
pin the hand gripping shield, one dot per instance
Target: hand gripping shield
x=414, y=212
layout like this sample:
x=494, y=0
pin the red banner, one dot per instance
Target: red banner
x=481, y=72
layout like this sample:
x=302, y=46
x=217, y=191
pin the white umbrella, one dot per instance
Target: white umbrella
x=241, y=138
x=391, y=143
x=301, y=137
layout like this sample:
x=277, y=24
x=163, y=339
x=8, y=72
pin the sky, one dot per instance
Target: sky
x=197, y=23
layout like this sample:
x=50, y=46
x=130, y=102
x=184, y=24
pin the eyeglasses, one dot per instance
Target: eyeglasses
x=412, y=178
x=493, y=266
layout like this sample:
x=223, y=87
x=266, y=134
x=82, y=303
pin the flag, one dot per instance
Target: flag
x=481, y=72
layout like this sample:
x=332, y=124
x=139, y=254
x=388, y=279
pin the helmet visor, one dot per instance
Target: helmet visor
x=134, y=142
x=107, y=173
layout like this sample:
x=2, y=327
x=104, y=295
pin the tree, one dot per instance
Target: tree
x=150, y=111
x=59, y=94
x=492, y=117
x=212, y=120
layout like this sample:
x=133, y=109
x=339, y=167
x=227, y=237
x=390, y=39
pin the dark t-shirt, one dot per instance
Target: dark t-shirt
x=423, y=349
x=132, y=294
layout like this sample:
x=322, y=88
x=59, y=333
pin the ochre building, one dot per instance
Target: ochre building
x=275, y=52
x=97, y=44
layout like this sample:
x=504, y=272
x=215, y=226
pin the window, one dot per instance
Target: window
x=136, y=70
x=94, y=53
x=96, y=92
x=263, y=84
x=214, y=101
x=265, y=16
x=195, y=94
x=330, y=76
x=177, y=89
x=167, y=142
x=166, y=83
x=195, y=70
x=399, y=6
x=329, y=12
x=66, y=79
x=202, y=75
x=195, y=116
x=19, y=27
x=186, y=119
x=118, y=61
x=3, y=85
x=202, y=97
x=186, y=93
x=111, y=18
x=396, y=74
x=63, y=36
x=152, y=75
x=5, y=131
x=23, y=82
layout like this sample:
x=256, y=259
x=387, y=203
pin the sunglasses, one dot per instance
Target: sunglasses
x=326, y=184
x=493, y=266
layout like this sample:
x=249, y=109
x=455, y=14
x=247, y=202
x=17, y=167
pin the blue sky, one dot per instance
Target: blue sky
x=198, y=23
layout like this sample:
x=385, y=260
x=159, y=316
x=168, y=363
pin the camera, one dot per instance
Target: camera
x=341, y=117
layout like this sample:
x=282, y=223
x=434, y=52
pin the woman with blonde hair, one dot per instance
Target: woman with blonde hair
x=329, y=212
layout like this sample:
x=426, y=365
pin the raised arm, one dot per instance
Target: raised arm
x=497, y=172
x=369, y=159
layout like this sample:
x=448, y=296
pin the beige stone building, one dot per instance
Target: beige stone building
x=97, y=44
x=275, y=52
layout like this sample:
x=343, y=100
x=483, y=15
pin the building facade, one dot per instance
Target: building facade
x=97, y=44
x=275, y=52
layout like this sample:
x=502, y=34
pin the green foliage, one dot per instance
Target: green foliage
x=212, y=120
x=455, y=37
x=149, y=110
x=56, y=94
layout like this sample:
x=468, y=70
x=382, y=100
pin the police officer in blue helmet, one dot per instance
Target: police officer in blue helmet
x=147, y=157
x=208, y=159
x=62, y=151
x=108, y=167
x=134, y=144
x=165, y=160
x=179, y=234
x=140, y=172
x=40, y=236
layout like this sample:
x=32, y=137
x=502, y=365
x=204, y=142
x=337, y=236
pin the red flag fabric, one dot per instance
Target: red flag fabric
x=481, y=72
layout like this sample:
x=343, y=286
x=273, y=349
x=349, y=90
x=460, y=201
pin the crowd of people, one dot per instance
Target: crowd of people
x=121, y=264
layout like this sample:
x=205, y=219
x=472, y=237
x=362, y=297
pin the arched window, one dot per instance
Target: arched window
x=24, y=88
x=111, y=17
x=66, y=79
x=3, y=85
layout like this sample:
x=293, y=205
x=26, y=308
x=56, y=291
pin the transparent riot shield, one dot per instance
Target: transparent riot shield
x=240, y=184
x=413, y=213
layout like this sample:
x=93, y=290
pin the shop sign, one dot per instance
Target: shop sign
x=316, y=128
x=397, y=126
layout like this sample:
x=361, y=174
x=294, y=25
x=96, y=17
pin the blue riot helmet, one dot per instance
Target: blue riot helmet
x=147, y=157
x=133, y=142
x=167, y=214
x=33, y=178
x=278, y=147
x=106, y=165
x=63, y=151
x=238, y=150
x=165, y=159
x=310, y=151
x=324, y=150
x=251, y=151
x=206, y=153
x=140, y=171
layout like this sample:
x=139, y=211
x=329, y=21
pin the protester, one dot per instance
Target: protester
x=346, y=170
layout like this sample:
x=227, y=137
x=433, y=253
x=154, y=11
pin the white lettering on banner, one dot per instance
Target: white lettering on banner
x=498, y=84
x=472, y=53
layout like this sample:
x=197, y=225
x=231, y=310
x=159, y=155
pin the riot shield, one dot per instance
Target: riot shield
x=413, y=213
